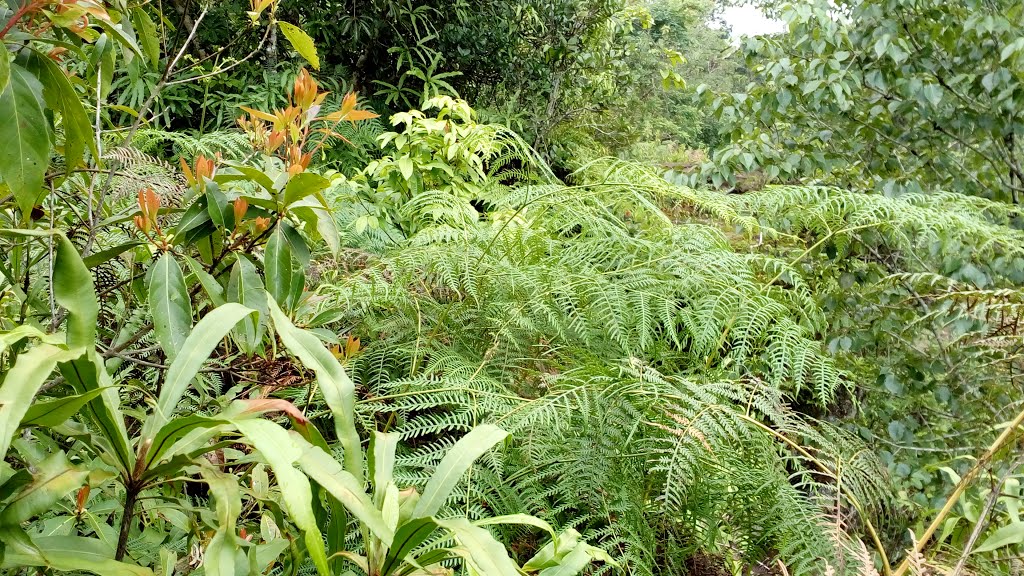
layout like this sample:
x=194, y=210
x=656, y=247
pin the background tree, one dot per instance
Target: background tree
x=885, y=95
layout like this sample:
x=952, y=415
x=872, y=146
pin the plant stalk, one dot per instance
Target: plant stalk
x=131, y=497
x=961, y=486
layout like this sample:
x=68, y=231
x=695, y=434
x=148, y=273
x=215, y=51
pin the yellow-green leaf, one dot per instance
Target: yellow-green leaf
x=302, y=43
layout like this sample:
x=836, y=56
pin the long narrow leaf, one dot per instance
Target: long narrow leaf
x=454, y=464
x=338, y=389
x=21, y=383
x=479, y=548
x=328, y=473
x=281, y=452
x=86, y=374
x=196, y=350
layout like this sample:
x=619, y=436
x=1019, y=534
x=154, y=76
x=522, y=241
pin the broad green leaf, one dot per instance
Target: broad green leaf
x=169, y=304
x=55, y=412
x=95, y=259
x=1009, y=535
x=318, y=223
x=61, y=96
x=244, y=172
x=298, y=244
x=148, y=35
x=53, y=479
x=25, y=132
x=70, y=553
x=303, y=185
x=480, y=549
x=284, y=274
x=86, y=374
x=454, y=464
x=73, y=289
x=178, y=428
x=553, y=551
x=281, y=452
x=196, y=350
x=246, y=287
x=338, y=389
x=195, y=224
x=566, y=556
x=328, y=473
x=302, y=43
x=572, y=563
x=221, y=212
x=21, y=383
x=405, y=166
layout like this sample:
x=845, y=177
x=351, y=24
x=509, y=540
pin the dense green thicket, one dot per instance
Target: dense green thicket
x=531, y=302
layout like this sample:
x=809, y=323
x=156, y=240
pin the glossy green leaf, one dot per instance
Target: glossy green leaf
x=25, y=131
x=195, y=224
x=335, y=385
x=454, y=465
x=297, y=243
x=30, y=371
x=86, y=374
x=175, y=430
x=285, y=276
x=213, y=288
x=240, y=171
x=304, y=185
x=169, y=304
x=302, y=43
x=220, y=210
x=95, y=259
x=407, y=538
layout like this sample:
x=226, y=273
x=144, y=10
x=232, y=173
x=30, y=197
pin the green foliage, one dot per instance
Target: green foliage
x=320, y=345
x=892, y=96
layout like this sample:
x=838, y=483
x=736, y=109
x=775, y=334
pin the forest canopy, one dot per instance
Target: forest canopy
x=511, y=288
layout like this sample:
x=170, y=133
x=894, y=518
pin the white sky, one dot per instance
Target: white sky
x=749, y=21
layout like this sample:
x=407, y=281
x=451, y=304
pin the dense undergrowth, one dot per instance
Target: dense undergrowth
x=448, y=339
